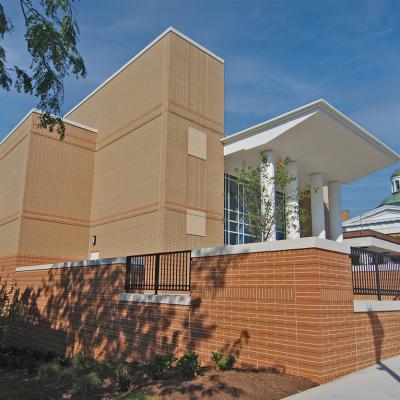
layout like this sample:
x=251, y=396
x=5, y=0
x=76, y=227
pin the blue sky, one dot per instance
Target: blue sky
x=278, y=56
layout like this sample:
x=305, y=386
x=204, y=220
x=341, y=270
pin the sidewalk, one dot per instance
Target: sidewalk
x=379, y=382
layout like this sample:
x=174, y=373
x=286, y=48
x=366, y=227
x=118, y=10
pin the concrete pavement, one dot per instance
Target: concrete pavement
x=378, y=382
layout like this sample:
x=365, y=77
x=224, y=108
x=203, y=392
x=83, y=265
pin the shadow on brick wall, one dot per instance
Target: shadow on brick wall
x=69, y=310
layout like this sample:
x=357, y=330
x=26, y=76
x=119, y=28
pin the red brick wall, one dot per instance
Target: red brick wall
x=292, y=310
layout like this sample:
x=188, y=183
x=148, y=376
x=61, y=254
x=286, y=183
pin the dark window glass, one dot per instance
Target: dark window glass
x=232, y=238
x=280, y=225
x=236, y=225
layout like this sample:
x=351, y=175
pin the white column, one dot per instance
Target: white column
x=317, y=205
x=292, y=202
x=267, y=181
x=335, y=212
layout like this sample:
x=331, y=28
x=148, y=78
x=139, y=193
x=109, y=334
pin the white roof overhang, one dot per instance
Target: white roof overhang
x=317, y=136
x=374, y=244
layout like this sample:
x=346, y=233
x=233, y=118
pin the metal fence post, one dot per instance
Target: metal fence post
x=378, y=281
x=128, y=274
x=157, y=274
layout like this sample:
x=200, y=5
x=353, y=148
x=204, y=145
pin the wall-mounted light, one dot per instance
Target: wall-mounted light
x=94, y=237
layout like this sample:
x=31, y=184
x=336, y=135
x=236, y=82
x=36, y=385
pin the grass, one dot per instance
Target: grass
x=136, y=397
x=13, y=389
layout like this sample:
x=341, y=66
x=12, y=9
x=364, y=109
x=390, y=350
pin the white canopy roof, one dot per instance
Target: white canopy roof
x=320, y=138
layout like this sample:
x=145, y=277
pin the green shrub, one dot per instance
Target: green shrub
x=121, y=376
x=80, y=360
x=223, y=361
x=188, y=365
x=158, y=365
x=105, y=368
x=87, y=385
x=136, y=397
x=63, y=361
x=118, y=372
x=67, y=376
x=49, y=372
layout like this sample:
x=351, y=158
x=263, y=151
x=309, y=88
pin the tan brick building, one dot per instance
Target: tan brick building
x=143, y=163
x=140, y=169
x=145, y=167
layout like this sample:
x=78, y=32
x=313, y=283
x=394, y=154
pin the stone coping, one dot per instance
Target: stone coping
x=376, y=305
x=279, y=245
x=83, y=263
x=374, y=244
x=176, y=299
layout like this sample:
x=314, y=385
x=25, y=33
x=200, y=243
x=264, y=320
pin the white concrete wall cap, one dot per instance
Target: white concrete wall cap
x=176, y=299
x=83, y=263
x=376, y=305
x=280, y=245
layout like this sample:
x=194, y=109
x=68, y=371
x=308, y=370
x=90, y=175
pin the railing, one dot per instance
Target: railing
x=158, y=272
x=374, y=273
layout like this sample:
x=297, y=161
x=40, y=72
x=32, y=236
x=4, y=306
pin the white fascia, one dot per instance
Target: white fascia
x=323, y=105
x=70, y=122
x=35, y=110
x=170, y=29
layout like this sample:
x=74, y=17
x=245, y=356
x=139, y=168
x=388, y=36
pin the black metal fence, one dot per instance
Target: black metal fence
x=374, y=273
x=159, y=271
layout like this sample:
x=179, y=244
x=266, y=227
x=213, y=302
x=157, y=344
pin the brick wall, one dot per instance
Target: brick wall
x=291, y=310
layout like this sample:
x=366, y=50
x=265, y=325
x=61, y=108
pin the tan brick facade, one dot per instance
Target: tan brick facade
x=133, y=182
x=45, y=200
x=291, y=310
x=145, y=180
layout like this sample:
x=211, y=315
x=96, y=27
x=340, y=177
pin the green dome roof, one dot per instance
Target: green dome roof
x=396, y=173
x=392, y=200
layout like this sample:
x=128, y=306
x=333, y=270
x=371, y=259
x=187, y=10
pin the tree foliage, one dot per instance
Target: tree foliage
x=51, y=35
x=265, y=212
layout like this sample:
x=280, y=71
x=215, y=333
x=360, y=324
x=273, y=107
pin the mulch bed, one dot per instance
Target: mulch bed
x=243, y=384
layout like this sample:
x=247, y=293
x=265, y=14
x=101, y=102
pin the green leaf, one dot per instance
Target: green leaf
x=51, y=35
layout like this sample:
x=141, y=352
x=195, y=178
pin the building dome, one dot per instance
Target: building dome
x=394, y=198
x=396, y=173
